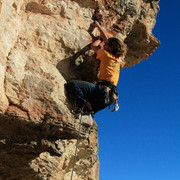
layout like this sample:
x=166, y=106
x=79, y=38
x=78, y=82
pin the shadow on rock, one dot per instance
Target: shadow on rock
x=82, y=66
x=22, y=141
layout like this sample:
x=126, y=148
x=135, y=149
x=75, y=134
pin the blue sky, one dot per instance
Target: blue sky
x=142, y=140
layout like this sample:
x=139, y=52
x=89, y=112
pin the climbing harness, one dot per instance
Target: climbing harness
x=111, y=95
x=114, y=108
x=81, y=114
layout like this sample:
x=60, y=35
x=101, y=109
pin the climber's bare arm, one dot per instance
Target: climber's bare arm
x=95, y=45
x=102, y=31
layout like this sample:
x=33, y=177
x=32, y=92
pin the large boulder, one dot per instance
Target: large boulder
x=38, y=132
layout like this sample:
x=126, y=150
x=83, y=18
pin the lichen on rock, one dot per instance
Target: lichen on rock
x=38, y=40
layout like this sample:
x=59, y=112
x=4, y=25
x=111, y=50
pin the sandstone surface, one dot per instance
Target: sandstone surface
x=38, y=131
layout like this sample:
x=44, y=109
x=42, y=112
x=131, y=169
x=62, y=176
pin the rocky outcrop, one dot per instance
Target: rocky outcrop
x=38, y=131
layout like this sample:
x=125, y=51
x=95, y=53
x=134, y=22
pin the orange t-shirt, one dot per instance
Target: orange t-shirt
x=109, y=67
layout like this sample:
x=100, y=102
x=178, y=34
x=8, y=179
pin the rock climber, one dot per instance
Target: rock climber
x=94, y=97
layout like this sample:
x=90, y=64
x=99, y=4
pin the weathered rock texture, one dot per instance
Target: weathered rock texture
x=38, y=38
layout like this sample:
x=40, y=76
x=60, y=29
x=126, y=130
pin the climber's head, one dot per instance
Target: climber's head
x=115, y=47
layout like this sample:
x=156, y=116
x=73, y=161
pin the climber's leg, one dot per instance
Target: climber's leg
x=83, y=91
x=99, y=102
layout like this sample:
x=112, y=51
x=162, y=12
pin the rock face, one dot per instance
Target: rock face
x=38, y=132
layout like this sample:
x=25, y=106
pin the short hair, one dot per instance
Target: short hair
x=119, y=47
